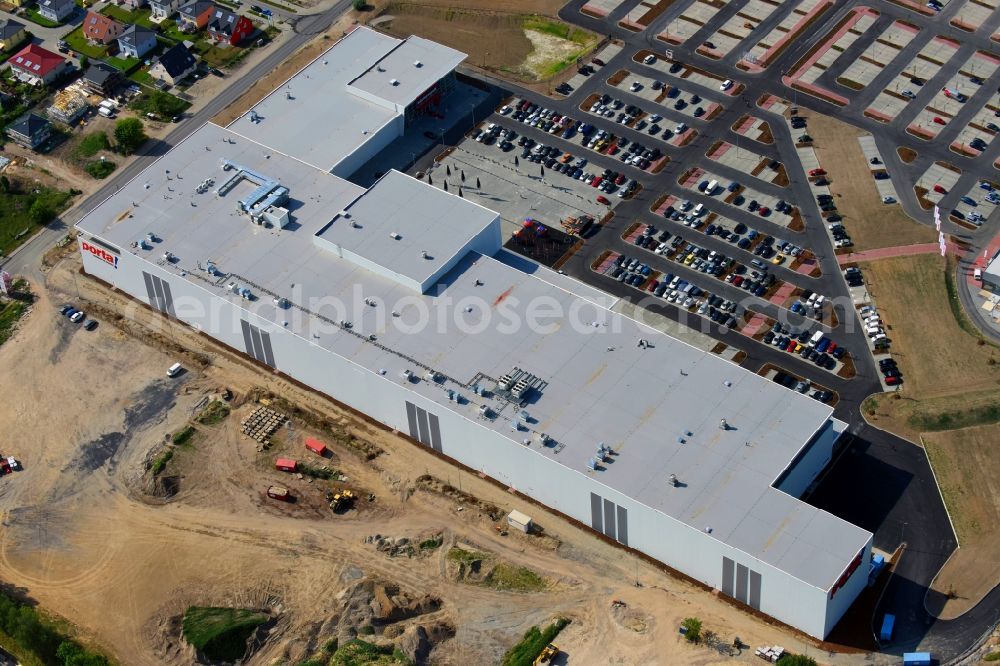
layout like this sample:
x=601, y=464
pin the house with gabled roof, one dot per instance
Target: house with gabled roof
x=101, y=29
x=227, y=27
x=37, y=66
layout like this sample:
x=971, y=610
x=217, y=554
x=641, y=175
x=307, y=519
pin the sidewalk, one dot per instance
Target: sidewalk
x=898, y=251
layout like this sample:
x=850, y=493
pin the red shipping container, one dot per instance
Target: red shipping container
x=316, y=446
x=286, y=464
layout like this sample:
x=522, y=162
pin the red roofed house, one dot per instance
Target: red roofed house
x=228, y=28
x=36, y=66
x=100, y=29
x=286, y=464
x=316, y=446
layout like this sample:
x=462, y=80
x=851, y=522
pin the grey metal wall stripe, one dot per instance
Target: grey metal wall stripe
x=728, y=572
x=596, y=512
x=435, y=432
x=148, y=279
x=258, y=351
x=265, y=340
x=158, y=288
x=754, y=597
x=425, y=435
x=168, y=298
x=246, y=336
x=609, y=519
x=623, y=526
x=411, y=417
x=741, y=582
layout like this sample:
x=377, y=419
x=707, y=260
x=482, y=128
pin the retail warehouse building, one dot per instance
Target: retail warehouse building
x=252, y=234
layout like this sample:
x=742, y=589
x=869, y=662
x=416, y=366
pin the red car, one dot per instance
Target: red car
x=597, y=181
x=653, y=285
x=940, y=190
x=891, y=381
x=817, y=172
x=939, y=120
x=790, y=347
x=764, y=211
x=603, y=200
x=620, y=179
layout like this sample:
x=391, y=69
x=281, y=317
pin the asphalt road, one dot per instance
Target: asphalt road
x=27, y=259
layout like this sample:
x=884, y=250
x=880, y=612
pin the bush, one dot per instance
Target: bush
x=129, y=135
x=164, y=105
x=796, y=660
x=100, y=169
x=37, y=637
x=360, y=5
x=366, y=630
x=992, y=656
x=92, y=144
x=40, y=212
x=221, y=634
x=534, y=641
x=692, y=625
x=183, y=436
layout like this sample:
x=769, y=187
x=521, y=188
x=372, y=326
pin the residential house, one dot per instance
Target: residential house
x=19, y=3
x=30, y=131
x=36, y=66
x=100, y=29
x=226, y=27
x=163, y=9
x=68, y=106
x=102, y=79
x=173, y=65
x=12, y=33
x=56, y=10
x=194, y=15
x=136, y=42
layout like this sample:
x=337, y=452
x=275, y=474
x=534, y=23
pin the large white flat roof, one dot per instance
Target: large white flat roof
x=596, y=384
x=311, y=116
x=408, y=70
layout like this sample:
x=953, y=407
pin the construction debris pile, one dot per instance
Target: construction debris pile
x=261, y=424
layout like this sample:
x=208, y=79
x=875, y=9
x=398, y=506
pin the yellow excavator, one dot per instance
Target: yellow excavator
x=342, y=500
x=547, y=655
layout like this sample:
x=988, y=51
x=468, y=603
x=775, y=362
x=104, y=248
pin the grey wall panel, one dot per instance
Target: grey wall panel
x=596, y=512
x=246, y=336
x=435, y=432
x=753, y=598
x=425, y=432
x=609, y=520
x=742, y=574
x=258, y=350
x=623, y=525
x=150, y=293
x=411, y=417
x=265, y=341
x=158, y=289
x=728, y=573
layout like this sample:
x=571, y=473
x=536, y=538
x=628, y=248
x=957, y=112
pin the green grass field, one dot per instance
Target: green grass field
x=16, y=221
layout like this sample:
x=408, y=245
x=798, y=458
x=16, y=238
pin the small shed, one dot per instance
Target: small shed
x=286, y=464
x=316, y=446
x=519, y=521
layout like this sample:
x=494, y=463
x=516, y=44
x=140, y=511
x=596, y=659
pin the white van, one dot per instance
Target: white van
x=697, y=209
x=816, y=337
x=712, y=184
x=174, y=370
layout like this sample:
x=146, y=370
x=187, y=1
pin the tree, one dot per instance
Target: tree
x=84, y=63
x=129, y=135
x=796, y=660
x=40, y=213
x=692, y=625
x=360, y=5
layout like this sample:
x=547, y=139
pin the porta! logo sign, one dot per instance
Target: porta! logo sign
x=101, y=253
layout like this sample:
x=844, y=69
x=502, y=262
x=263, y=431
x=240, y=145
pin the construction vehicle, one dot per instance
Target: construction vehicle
x=342, y=500
x=547, y=655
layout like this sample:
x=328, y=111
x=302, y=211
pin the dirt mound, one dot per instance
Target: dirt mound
x=371, y=605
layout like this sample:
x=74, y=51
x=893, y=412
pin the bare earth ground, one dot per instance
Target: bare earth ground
x=945, y=370
x=496, y=40
x=84, y=537
x=960, y=458
x=871, y=223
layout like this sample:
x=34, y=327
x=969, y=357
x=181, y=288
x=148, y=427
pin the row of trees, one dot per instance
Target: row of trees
x=41, y=638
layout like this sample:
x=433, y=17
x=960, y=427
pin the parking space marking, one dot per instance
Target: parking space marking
x=604, y=55
x=973, y=14
x=740, y=25
x=803, y=14
x=934, y=183
x=946, y=103
x=601, y=8
x=754, y=128
x=879, y=53
x=639, y=18
x=923, y=67
x=748, y=194
x=984, y=197
x=885, y=186
x=691, y=20
x=859, y=23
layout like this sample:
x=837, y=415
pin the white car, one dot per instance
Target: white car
x=726, y=85
x=888, y=200
x=649, y=60
x=504, y=110
x=635, y=86
x=77, y=317
x=12, y=461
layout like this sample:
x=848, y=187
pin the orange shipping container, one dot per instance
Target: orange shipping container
x=316, y=446
x=286, y=464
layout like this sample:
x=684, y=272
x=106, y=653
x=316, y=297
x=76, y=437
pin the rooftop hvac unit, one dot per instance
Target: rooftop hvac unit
x=431, y=376
x=672, y=480
x=393, y=235
x=246, y=294
x=168, y=257
x=282, y=303
x=417, y=63
x=143, y=245
x=515, y=425
x=151, y=237
x=394, y=82
x=233, y=287
x=407, y=375
x=592, y=465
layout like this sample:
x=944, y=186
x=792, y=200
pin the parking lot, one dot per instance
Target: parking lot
x=788, y=29
x=688, y=22
x=936, y=182
x=755, y=129
x=886, y=188
x=517, y=191
x=860, y=21
x=923, y=67
x=881, y=51
x=748, y=162
x=740, y=25
x=592, y=68
x=766, y=206
x=646, y=119
x=981, y=128
x=978, y=203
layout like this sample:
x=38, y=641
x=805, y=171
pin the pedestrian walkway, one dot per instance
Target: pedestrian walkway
x=782, y=293
x=898, y=251
x=754, y=325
